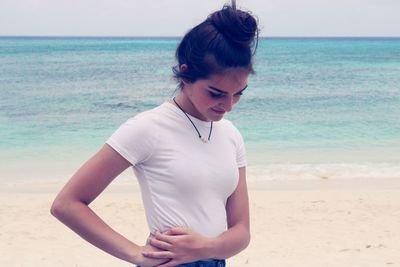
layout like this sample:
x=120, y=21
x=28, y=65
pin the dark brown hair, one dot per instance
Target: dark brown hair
x=226, y=39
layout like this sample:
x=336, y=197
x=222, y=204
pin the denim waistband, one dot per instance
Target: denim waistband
x=208, y=263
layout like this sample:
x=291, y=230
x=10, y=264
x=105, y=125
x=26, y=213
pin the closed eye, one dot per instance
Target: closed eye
x=215, y=95
x=239, y=93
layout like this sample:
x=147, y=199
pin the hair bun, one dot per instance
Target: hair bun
x=238, y=26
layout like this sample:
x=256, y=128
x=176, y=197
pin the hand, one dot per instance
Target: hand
x=179, y=245
x=146, y=261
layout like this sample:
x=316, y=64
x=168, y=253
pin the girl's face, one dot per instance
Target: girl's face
x=211, y=98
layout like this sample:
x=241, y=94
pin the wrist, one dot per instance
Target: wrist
x=211, y=248
x=135, y=256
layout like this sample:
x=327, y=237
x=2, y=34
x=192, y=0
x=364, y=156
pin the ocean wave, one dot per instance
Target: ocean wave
x=323, y=171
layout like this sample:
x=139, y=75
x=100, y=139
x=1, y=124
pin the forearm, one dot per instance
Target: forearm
x=230, y=243
x=82, y=220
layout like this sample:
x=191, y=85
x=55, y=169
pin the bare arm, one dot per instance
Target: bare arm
x=183, y=245
x=71, y=205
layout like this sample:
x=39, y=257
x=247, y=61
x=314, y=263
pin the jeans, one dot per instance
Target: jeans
x=210, y=263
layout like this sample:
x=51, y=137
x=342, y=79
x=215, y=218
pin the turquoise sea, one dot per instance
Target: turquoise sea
x=330, y=102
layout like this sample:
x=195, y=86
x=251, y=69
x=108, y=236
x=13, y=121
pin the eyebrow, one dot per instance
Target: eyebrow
x=223, y=92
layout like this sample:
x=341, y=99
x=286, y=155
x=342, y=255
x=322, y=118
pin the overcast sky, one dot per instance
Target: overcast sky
x=175, y=17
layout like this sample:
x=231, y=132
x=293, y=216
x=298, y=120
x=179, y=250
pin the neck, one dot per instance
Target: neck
x=187, y=105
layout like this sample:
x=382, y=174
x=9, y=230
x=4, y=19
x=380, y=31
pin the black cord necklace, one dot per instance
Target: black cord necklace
x=200, y=137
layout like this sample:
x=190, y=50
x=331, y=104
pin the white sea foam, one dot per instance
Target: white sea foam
x=323, y=171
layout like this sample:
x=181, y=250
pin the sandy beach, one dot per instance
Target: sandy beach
x=294, y=223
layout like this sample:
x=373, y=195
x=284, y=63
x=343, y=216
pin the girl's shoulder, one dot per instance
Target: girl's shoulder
x=146, y=118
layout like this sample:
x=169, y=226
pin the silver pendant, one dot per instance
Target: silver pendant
x=204, y=140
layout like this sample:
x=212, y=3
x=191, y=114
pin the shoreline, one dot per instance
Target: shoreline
x=59, y=170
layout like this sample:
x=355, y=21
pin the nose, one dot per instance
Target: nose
x=228, y=103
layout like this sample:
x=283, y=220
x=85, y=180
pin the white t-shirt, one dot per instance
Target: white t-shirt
x=184, y=182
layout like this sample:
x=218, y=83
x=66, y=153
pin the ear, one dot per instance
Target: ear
x=184, y=68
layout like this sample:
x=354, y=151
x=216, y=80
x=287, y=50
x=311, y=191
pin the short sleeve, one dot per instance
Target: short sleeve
x=239, y=145
x=240, y=151
x=134, y=140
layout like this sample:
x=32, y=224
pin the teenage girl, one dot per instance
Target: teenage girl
x=189, y=161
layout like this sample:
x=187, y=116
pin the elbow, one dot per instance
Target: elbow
x=61, y=207
x=57, y=208
x=246, y=239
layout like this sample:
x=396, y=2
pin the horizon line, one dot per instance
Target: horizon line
x=177, y=37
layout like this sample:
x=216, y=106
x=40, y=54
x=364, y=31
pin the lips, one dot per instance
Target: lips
x=218, y=111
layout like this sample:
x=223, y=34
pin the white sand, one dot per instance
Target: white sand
x=301, y=223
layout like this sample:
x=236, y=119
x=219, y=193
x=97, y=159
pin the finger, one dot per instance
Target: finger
x=160, y=244
x=177, y=231
x=164, y=237
x=158, y=254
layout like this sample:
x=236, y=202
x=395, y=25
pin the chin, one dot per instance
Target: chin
x=216, y=118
